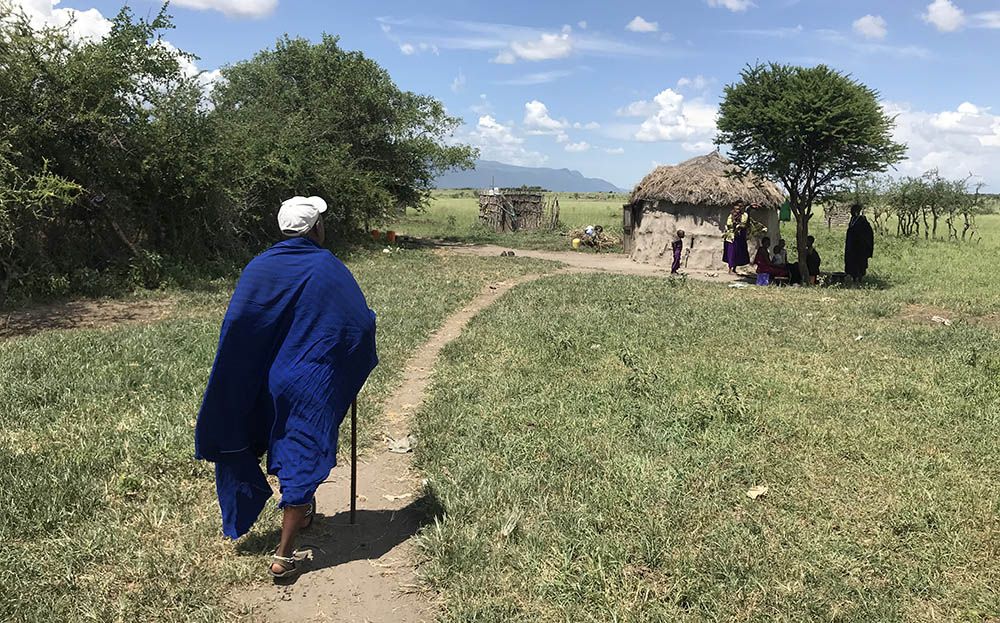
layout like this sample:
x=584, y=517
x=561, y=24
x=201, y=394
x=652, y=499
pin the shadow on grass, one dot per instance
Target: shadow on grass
x=332, y=541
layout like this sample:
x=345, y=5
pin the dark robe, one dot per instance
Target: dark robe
x=678, y=246
x=297, y=344
x=859, y=247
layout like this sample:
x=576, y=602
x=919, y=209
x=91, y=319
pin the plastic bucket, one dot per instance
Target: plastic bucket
x=576, y=243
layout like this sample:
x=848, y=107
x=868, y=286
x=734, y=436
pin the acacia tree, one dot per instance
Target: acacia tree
x=809, y=128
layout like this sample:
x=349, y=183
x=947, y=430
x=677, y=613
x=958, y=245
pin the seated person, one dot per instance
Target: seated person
x=763, y=261
x=813, y=262
x=779, y=257
x=812, y=257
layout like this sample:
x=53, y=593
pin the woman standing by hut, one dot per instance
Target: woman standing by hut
x=735, y=251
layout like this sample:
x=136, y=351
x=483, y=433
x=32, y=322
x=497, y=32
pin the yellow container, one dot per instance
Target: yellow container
x=576, y=243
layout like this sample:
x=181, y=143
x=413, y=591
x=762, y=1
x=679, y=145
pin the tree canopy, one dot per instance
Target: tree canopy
x=808, y=128
x=114, y=157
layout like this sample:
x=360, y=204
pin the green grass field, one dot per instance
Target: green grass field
x=104, y=514
x=591, y=440
x=454, y=215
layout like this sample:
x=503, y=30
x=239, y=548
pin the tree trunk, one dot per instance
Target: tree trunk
x=801, y=240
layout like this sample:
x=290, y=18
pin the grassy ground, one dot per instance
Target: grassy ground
x=104, y=516
x=454, y=215
x=593, y=440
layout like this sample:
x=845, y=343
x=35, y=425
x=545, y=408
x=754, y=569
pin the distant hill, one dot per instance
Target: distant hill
x=488, y=173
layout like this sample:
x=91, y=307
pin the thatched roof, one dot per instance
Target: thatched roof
x=708, y=181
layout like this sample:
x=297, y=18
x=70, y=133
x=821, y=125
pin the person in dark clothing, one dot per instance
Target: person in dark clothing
x=813, y=262
x=678, y=247
x=859, y=246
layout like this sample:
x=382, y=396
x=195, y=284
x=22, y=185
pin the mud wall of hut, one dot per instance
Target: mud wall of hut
x=656, y=226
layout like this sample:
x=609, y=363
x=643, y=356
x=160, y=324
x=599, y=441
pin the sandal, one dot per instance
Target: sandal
x=288, y=564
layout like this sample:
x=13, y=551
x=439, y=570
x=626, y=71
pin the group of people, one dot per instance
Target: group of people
x=775, y=263
x=859, y=247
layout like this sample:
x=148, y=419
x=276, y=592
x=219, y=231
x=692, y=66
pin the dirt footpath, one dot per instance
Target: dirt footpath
x=591, y=262
x=367, y=572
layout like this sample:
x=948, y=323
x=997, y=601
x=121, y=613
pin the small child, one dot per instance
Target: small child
x=677, y=247
x=780, y=255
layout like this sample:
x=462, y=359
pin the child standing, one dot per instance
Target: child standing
x=677, y=246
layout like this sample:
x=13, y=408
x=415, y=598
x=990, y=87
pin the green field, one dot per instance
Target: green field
x=590, y=440
x=454, y=215
x=104, y=515
x=593, y=440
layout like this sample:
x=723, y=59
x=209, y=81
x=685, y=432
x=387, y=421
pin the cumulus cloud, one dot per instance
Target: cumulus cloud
x=944, y=15
x=871, y=27
x=576, y=148
x=582, y=24
x=638, y=24
x=735, y=6
x=671, y=118
x=538, y=121
x=458, y=83
x=232, y=8
x=593, y=125
x=615, y=151
x=960, y=142
x=497, y=141
x=83, y=25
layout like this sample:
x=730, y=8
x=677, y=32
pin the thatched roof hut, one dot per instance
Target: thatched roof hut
x=709, y=180
x=695, y=196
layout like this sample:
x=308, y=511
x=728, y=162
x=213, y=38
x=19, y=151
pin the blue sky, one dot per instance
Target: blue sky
x=610, y=88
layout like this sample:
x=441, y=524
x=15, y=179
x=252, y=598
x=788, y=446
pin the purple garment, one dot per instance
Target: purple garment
x=736, y=253
x=678, y=247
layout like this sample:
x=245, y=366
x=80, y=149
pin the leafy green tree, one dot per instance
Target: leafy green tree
x=307, y=118
x=810, y=129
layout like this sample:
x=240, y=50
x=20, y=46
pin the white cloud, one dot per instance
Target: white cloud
x=988, y=19
x=735, y=6
x=538, y=121
x=483, y=107
x=497, y=141
x=698, y=147
x=960, y=142
x=641, y=108
x=536, y=78
x=83, y=25
x=698, y=83
x=944, y=15
x=546, y=47
x=504, y=57
x=582, y=24
x=407, y=49
x=615, y=151
x=674, y=119
x=232, y=8
x=638, y=24
x=593, y=125
x=576, y=148
x=871, y=27
x=458, y=83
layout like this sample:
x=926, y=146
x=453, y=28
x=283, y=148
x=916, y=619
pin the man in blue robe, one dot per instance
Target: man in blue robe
x=297, y=343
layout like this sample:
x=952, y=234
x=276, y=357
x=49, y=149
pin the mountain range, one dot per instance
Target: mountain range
x=489, y=174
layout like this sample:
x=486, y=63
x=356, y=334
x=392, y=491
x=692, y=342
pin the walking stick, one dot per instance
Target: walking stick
x=354, y=460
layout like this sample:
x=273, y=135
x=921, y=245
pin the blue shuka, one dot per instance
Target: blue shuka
x=297, y=344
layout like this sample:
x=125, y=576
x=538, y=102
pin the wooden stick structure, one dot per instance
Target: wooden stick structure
x=354, y=460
